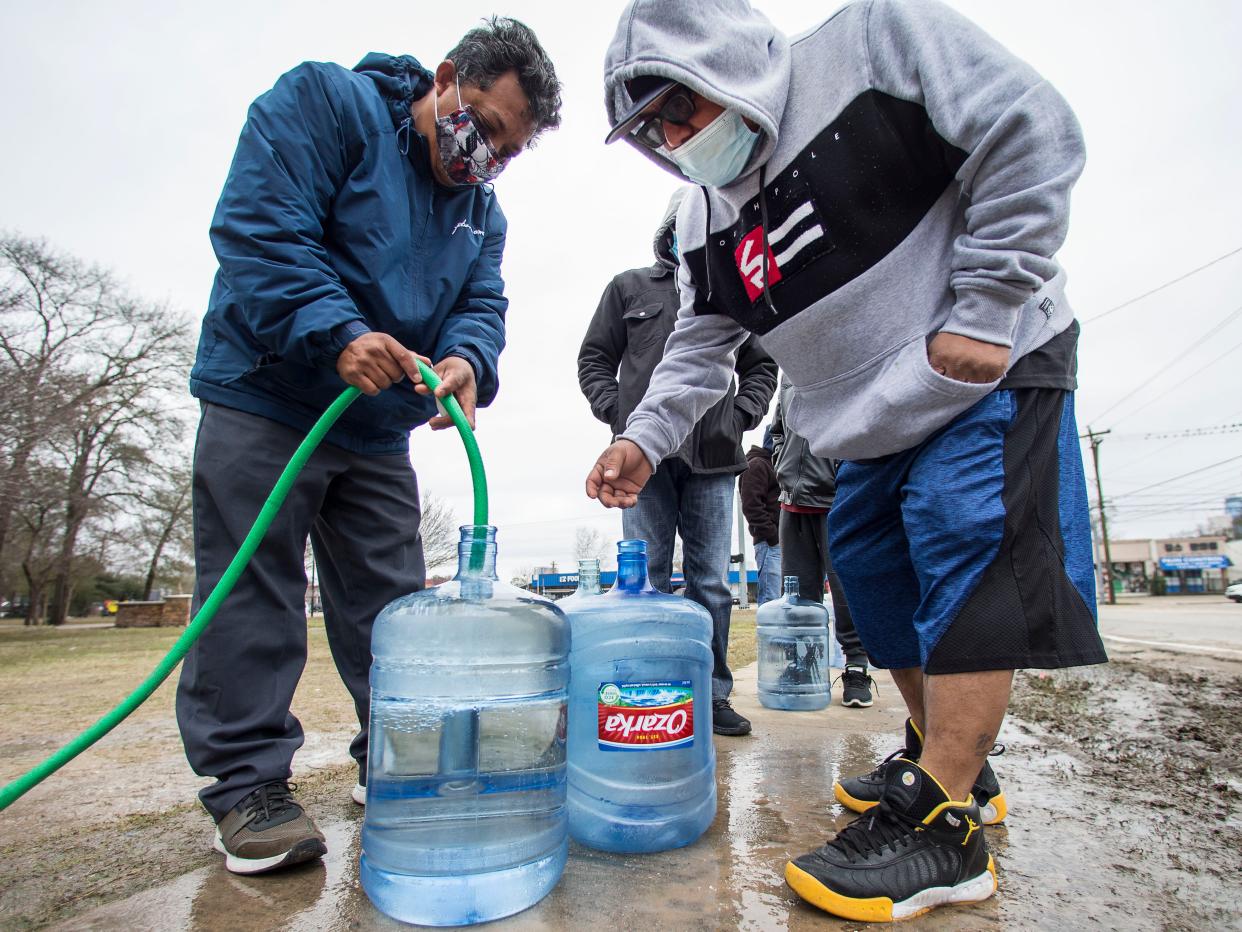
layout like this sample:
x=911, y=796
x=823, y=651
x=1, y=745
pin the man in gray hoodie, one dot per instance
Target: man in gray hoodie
x=882, y=201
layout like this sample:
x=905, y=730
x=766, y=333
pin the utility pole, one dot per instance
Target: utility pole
x=1096, y=439
x=743, y=587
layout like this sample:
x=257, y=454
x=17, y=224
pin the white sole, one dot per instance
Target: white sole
x=858, y=704
x=238, y=865
x=968, y=891
x=359, y=794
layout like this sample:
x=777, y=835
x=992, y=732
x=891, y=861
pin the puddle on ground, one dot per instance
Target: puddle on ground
x=1097, y=838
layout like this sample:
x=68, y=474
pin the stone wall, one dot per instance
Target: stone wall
x=139, y=614
x=172, y=612
x=176, y=611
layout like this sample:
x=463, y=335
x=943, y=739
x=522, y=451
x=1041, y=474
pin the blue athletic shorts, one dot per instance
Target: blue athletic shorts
x=972, y=551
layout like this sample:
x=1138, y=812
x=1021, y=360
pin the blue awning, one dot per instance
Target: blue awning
x=1197, y=561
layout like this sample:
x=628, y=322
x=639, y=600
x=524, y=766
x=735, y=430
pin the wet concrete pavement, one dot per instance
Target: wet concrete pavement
x=1074, y=855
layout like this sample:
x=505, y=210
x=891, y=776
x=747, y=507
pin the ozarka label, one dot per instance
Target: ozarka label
x=646, y=716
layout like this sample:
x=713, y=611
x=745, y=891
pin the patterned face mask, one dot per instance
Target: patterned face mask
x=467, y=156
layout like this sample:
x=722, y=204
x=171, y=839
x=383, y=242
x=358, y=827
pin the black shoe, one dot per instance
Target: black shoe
x=861, y=793
x=726, y=721
x=856, y=686
x=915, y=851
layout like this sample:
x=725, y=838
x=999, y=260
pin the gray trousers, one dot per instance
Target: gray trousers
x=362, y=516
x=676, y=501
x=804, y=553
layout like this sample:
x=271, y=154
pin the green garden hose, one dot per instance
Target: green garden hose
x=15, y=790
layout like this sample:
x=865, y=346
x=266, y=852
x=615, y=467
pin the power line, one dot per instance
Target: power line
x=1175, y=478
x=1169, y=390
x=1188, y=432
x=1229, y=318
x=1148, y=294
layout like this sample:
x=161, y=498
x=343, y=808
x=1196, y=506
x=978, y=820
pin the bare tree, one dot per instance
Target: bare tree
x=166, y=518
x=87, y=370
x=589, y=544
x=35, y=536
x=439, y=529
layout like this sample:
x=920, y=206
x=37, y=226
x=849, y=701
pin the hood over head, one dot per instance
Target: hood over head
x=723, y=49
x=400, y=79
x=663, y=241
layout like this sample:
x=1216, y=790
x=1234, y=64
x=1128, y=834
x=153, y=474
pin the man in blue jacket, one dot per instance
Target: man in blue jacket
x=356, y=230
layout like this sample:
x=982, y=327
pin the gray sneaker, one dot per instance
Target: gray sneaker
x=266, y=830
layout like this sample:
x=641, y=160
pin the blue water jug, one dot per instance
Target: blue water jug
x=794, y=636
x=466, y=818
x=642, y=767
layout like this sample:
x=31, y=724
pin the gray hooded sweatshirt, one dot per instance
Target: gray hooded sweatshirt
x=912, y=177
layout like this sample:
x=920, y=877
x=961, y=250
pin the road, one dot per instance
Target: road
x=1206, y=626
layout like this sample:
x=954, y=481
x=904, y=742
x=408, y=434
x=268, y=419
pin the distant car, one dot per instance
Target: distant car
x=1234, y=592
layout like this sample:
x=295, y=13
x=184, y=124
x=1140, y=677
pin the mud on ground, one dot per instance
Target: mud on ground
x=1122, y=779
x=1152, y=747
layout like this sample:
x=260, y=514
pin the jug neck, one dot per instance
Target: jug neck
x=632, y=567
x=588, y=577
x=476, y=552
x=791, y=587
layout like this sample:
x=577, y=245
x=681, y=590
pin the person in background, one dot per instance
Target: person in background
x=760, y=496
x=357, y=227
x=808, y=484
x=691, y=494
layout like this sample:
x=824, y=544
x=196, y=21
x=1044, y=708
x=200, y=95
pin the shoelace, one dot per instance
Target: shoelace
x=878, y=773
x=848, y=675
x=882, y=827
x=273, y=799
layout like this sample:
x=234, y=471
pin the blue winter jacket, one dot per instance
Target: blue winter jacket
x=330, y=225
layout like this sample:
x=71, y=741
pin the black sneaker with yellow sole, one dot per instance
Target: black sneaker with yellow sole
x=862, y=792
x=916, y=850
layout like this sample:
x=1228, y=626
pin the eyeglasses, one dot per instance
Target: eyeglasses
x=677, y=109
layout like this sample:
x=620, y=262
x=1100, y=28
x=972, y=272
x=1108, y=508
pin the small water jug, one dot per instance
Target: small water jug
x=794, y=636
x=466, y=818
x=588, y=586
x=642, y=767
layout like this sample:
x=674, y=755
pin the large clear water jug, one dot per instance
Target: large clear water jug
x=642, y=767
x=466, y=817
x=794, y=636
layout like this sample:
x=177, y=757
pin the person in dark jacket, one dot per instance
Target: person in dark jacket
x=808, y=486
x=760, y=494
x=692, y=492
x=355, y=231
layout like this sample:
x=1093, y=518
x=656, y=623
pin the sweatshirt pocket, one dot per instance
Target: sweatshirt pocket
x=889, y=406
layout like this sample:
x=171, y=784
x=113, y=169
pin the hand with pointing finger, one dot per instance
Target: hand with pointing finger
x=619, y=475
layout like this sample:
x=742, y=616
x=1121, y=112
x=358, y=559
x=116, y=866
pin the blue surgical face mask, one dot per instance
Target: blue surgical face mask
x=717, y=153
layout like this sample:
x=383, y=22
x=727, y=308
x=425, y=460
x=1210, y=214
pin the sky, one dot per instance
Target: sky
x=120, y=121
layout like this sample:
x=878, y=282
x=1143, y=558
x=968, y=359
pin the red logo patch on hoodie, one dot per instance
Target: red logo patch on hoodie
x=749, y=257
